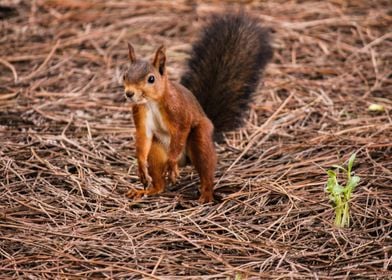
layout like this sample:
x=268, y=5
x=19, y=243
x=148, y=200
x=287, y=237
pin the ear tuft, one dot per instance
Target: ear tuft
x=131, y=53
x=160, y=59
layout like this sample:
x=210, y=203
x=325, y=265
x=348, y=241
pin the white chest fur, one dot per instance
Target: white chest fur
x=155, y=125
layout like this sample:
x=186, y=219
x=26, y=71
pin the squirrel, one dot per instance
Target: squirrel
x=175, y=121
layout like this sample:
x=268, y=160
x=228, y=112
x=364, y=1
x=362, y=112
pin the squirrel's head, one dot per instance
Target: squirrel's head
x=143, y=80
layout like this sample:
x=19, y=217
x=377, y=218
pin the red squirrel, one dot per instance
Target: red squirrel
x=175, y=121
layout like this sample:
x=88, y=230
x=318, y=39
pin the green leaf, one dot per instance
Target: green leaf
x=336, y=188
x=350, y=165
x=331, y=173
x=339, y=167
x=331, y=182
x=352, y=183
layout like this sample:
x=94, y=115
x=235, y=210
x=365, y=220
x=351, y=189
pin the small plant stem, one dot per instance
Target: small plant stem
x=338, y=215
x=346, y=215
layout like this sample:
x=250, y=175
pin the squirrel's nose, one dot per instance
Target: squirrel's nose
x=129, y=94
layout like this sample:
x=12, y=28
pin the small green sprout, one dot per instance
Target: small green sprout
x=339, y=195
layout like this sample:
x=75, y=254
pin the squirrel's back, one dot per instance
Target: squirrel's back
x=225, y=67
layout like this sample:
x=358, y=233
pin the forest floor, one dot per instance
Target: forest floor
x=67, y=152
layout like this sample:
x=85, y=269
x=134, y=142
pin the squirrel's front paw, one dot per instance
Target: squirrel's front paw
x=145, y=178
x=171, y=171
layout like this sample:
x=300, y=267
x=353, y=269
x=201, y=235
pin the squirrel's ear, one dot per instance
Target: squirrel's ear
x=160, y=60
x=131, y=53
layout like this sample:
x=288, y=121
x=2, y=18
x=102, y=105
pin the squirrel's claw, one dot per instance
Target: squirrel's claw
x=145, y=178
x=135, y=194
x=205, y=198
x=171, y=171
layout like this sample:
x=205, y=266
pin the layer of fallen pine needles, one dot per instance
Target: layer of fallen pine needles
x=67, y=153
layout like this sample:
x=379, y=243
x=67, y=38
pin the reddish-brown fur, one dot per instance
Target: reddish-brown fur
x=171, y=122
x=163, y=111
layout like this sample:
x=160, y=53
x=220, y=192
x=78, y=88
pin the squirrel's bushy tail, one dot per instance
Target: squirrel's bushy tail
x=225, y=67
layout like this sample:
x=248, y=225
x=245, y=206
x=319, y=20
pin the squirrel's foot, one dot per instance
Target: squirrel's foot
x=135, y=194
x=205, y=198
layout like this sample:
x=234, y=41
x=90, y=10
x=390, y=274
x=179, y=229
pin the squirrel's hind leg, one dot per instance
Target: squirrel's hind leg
x=202, y=153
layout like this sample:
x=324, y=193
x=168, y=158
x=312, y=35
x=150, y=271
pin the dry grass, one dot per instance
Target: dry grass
x=67, y=147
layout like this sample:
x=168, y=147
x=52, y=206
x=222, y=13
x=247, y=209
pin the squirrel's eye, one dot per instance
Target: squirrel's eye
x=151, y=79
